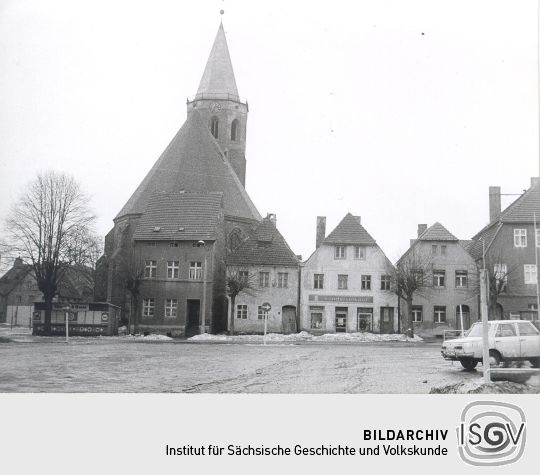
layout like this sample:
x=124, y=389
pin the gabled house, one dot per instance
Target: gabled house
x=346, y=282
x=19, y=291
x=508, y=246
x=447, y=300
x=272, y=269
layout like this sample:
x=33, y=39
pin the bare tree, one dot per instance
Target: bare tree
x=410, y=276
x=50, y=226
x=130, y=269
x=238, y=280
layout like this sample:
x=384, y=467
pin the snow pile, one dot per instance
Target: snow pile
x=305, y=336
x=148, y=337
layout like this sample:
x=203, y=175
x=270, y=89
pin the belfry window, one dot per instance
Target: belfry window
x=234, y=130
x=214, y=126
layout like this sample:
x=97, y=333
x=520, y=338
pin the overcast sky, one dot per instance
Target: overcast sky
x=403, y=112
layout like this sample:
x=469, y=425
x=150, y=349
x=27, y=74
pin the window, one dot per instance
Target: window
x=359, y=252
x=439, y=314
x=438, y=278
x=342, y=280
x=443, y=250
x=434, y=249
x=173, y=269
x=505, y=330
x=30, y=285
x=19, y=299
x=339, y=252
x=282, y=280
x=148, y=307
x=260, y=313
x=214, y=126
x=243, y=275
x=419, y=276
x=151, y=243
x=501, y=275
x=365, y=282
x=150, y=268
x=365, y=319
x=264, y=279
x=530, y=273
x=195, y=270
x=173, y=244
x=526, y=329
x=520, y=238
x=241, y=311
x=234, y=130
x=316, y=317
x=385, y=282
x=171, y=305
x=417, y=313
x=538, y=238
x=462, y=278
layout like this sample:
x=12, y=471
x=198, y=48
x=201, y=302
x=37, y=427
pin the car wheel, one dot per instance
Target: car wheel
x=468, y=363
x=535, y=362
x=495, y=358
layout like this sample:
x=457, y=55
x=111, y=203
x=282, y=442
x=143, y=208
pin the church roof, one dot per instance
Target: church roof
x=193, y=162
x=218, y=76
x=437, y=232
x=264, y=247
x=180, y=217
x=349, y=231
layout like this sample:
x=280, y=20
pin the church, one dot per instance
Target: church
x=165, y=259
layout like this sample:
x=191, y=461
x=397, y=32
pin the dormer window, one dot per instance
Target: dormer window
x=214, y=126
x=234, y=130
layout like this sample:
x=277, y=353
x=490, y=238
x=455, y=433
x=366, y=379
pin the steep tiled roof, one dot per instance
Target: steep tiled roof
x=437, y=232
x=218, y=76
x=180, y=217
x=13, y=277
x=349, y=231
x=193, y=162
x=522, y=210
x=264, y=247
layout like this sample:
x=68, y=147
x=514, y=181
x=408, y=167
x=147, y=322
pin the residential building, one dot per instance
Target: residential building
x=346, y=282
x=447, y=297
x=508, y=246
x=19, y=291
x=272, y=270
x=205, y=158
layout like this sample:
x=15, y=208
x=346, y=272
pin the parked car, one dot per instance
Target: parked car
x=509, y=340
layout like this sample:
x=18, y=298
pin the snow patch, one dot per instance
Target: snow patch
x=305, y=336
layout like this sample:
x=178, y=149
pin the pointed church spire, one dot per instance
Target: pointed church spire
x=218, y=76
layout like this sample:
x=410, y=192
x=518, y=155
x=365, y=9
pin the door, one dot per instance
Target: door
x=529, y=340
x=193, y=317
x=507, y=340
x=387, y=319
x=288, y=315
x=341, y=320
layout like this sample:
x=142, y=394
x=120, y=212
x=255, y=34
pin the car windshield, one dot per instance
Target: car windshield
x=476, y=330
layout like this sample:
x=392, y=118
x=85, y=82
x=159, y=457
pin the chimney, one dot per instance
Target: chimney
x=494, y=202
x=535, y=180
x=18, y=262
x=421, y=229
x=272, y=217
x=321, y=231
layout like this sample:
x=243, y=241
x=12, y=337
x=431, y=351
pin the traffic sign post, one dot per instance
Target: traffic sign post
x=266, y=307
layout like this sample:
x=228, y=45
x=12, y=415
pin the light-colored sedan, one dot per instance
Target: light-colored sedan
x=509, y=340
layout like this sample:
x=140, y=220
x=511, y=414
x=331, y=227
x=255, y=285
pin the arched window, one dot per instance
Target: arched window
x=235, y=130
x=235, y=239
x=214, y=126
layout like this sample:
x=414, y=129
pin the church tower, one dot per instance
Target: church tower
x=220, y=106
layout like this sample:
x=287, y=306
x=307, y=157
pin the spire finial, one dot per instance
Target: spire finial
x=221, y=12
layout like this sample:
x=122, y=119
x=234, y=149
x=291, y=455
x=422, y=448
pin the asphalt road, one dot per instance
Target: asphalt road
x=116, y=365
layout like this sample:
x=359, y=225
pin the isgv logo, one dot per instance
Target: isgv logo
x=491, y=433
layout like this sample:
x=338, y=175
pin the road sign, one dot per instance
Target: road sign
x=266, y=307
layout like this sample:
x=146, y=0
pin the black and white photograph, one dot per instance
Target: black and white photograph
x=295, y=198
